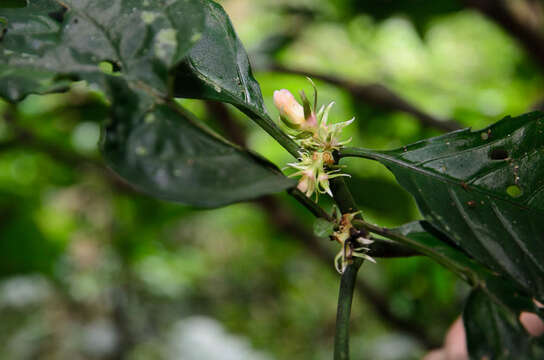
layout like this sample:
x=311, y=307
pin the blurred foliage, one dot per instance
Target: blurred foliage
x=92, y=270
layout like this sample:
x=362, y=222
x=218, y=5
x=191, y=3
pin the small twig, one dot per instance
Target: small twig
x=437, y=256
x=344, y=199
x=387, y=249
x=377, y=95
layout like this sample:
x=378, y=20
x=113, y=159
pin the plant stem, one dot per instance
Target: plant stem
x=445, y=260
x=343, y=198
x=382, y=248
x=268, y=125
x=345, y=298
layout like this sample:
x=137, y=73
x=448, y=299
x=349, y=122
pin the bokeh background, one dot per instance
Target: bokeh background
x=90, y=269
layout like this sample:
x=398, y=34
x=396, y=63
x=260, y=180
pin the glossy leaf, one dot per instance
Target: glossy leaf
x=218, y=68
x=423, y=237
x=141, y=39
x=128, y=48
x=163, y=151
x=493, y=332
x=485, y=189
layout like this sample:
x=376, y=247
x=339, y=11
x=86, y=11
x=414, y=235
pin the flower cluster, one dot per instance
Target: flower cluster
x=308, y=127
x=316, y=169
x=352, y=241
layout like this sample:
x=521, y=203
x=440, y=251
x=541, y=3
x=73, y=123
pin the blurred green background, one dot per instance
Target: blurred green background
x=90, y=269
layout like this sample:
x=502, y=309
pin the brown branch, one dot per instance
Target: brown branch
x=528, y=36
x=377, y=95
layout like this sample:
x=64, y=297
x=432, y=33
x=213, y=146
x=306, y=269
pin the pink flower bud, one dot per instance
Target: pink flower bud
x=304, y=184
x=288, y=107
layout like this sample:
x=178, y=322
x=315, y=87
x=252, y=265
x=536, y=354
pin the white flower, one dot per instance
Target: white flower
x=309, y=128
x=315, y=169
x=349, y=237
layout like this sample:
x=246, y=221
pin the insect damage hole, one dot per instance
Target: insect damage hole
x=498, y=153
x=110, y=67
x=514, y=191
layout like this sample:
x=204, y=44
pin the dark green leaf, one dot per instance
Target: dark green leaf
x=141, y=38
x=323, y=228
x=383, y=196
x=493, y=332
x=13, y=3
x=162, y=151
x=217, y=68
x=16, y=83
x=128, y=48
x=425, y=238
x=485, y=189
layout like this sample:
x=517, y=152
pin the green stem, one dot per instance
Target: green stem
x=343, y=198
x=345, y=298
x=388, y=249
x=346, y=203
x=436, y=255
x=268, y=125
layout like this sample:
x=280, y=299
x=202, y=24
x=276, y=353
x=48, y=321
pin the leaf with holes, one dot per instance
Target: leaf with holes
x=139, y=38
x=493, y=332
x=485, y=189
x=163, y=151
x=217, y=68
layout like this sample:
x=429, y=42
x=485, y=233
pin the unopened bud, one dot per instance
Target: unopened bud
x=290, y=110
x=304, y=184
